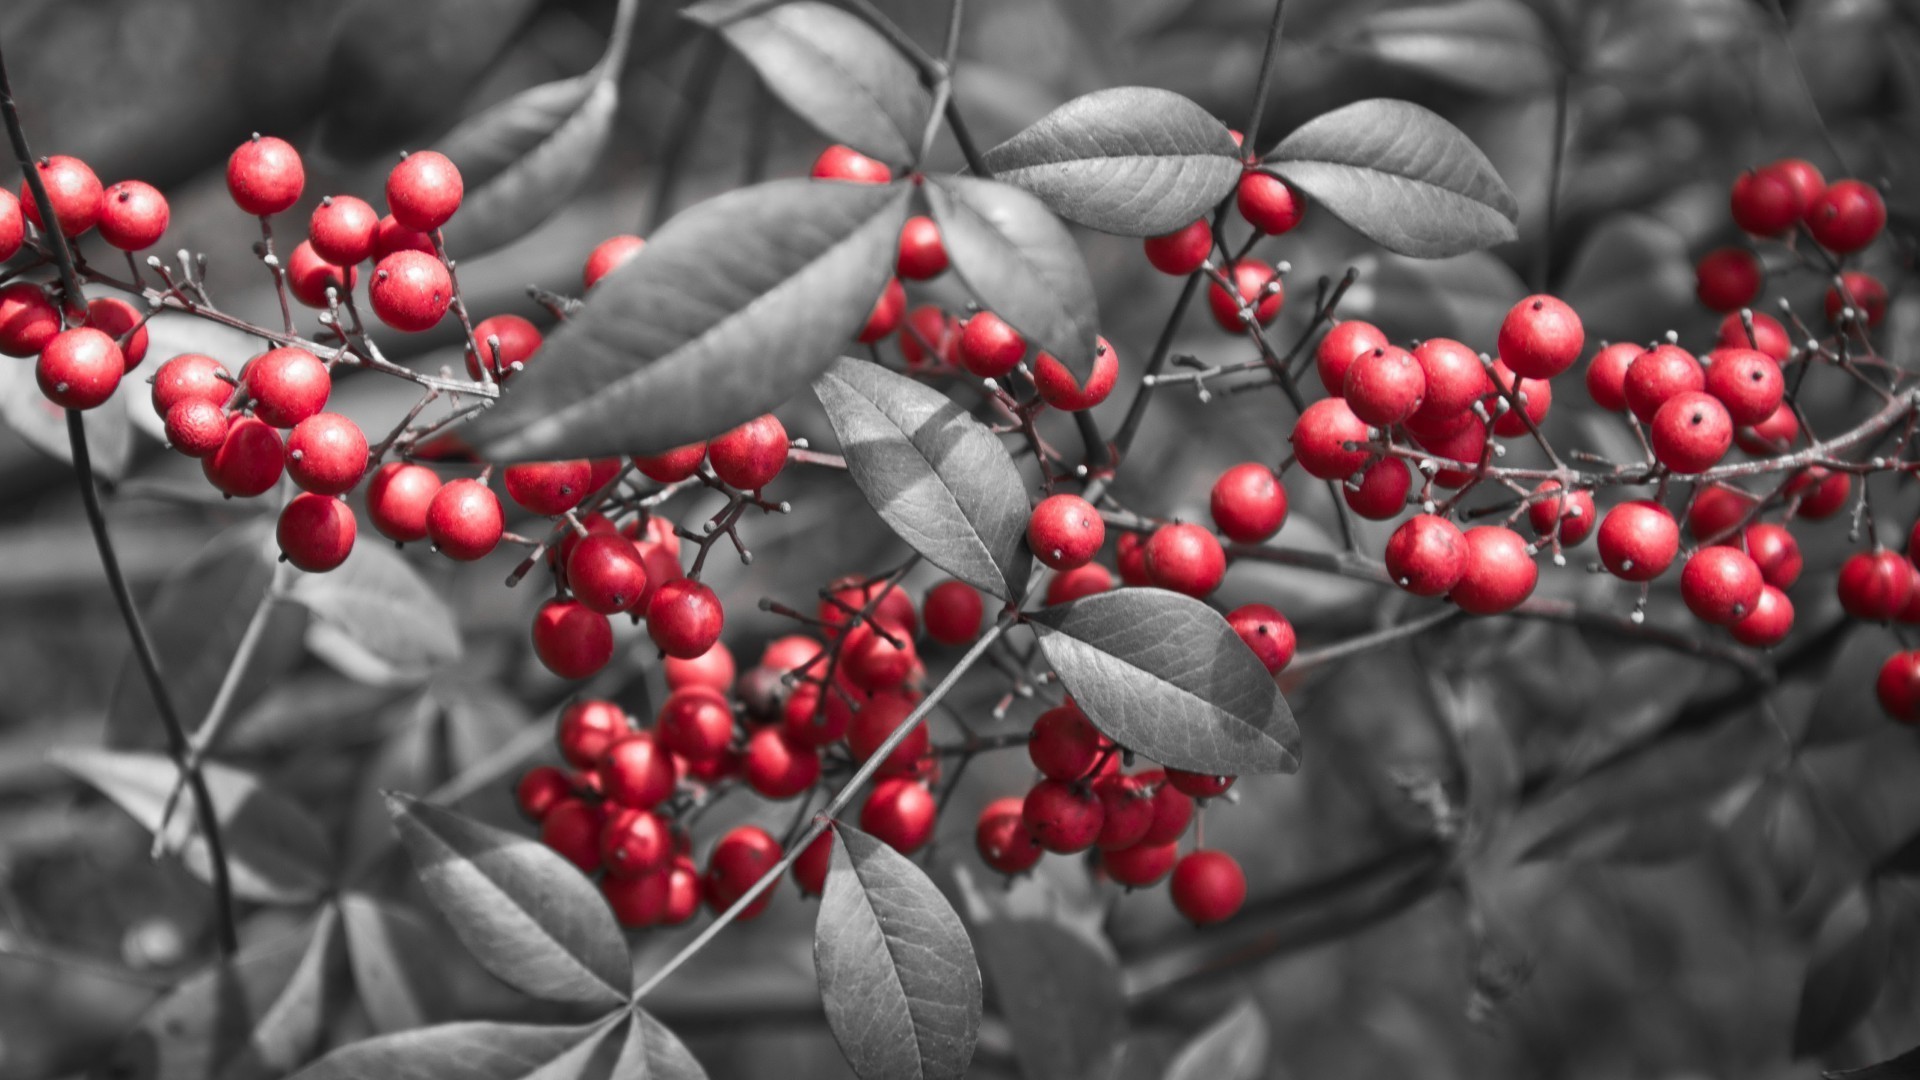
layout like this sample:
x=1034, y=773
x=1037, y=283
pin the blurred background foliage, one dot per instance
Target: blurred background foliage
x=1657, y=857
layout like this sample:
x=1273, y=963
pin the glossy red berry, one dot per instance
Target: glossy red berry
x=635, y=843
x=1131, y=558
x=424, y=190
x=1078, y=583
x=684, y=618
x=28, y=320
x=133, y=215
x=751, y=455
x=1140, y=865
x=1607, y=375
x=1065, y=531
x=309, y=277
x=80, y=368
x=1875, y=586
x=1500, y=572
x=1126, y=805
x=953, y=611
x=810, y=867
x=636, y=771
x=1803, y=177
x=549, y=487
x=839, y=162
x=1541, y=337
x=72, y=189
x=888, y=310
x=1172, y=809
x=287, y=385
x=1571, y=515
x=123, y=323
x=572, y=640
x=989, y=347
x=326, y=454
x=1774, y=435
x=1716, y=511
x=891, y=605
x=713, y=670
x=1321, y=437
x=390, y=236
x=900, y=812
x=1183, y=251
x=1659, y=374
x=1638, y=540
x=1064, y=744
x=1059, y=388
x=1820, y=492
x=464, y=520
x=741, y=858
x=1898, y=686
x=930, y=337
x=13, y=225
x=249, y=461
x=1427, y=555
x=195, y=428
x=1747, y=382
x=674, y=465
x=922, y=255
x=1847, y=216
x=1186, y=559
x=1467, y=444
x=1382, y=490
x=572, y=829
x=1768, y=336
x=587, y=729
x=1269, y=203
x=1385, y=385
x=341, y=230
x=1764, y=203
x=1208, y=887
x=876, y=721
x=1728, y=279
x=1198, y=785
x=411, y=291
x=1257, y=286
x=1248, y=502
x=1266, y=632
x=398, y=496
x=1002, y=838
x=1768, y=623
x=1337, y=350
x=1454, y=380
x=540, y=789
x=1063, y=817
x=1774, y=550
x=605, y=573
x=1533, y=396
x=1865, y=296
x=316, y=532
x=696, y=723
x=873, y=661
x=265, y=176
x=778, y=766
x=1691, y=433
x=607, y=256
x=1721, y=585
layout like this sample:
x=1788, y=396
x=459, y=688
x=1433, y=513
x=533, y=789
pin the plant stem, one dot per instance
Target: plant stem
x=1265, y=82
x=56, y=240
x=1354, y=646
x=1543, y=267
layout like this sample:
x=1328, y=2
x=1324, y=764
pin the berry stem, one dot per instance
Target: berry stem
x=1543, y=260
x=56, y=241
x=1354, y=646
x=1264, y=84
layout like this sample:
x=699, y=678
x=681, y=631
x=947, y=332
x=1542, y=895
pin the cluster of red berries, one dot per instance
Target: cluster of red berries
x=1782, y=201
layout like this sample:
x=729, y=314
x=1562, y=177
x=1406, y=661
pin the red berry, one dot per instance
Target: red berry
x=674, y=465
x=989, y=347
x=1768, y=335
x=571, y=639
x=1748, y=383
x=1208, y=887
x=549, y=487
x=1002, y=838
x=1065, y=531
x=424, y=190
x=901, y=813
x=196, y=428
x=326, y=454
x=876, y=721
x=588, y=729
x=540, y=789
x=751, y=455
x=894, y=608
x=1865, y=296
x=73, y=191
x=741, y=858
x=1269, y=203
x=572, y=828
x=28, y=320
x=80, y=368
x=249, y=461
x=931, y=336
x=309, y=277
x=1183, y=251
x=1060, y=389
x=839, y=162
x=684, y=618
x=464, y=520
x=1846, y=217
x=1541, y=337
x=713, y=669
x=398, y=496
x=1078, y=583
x=922, y=256
x=390, y=236
x=120, y=321
x=872, y=662
x=1764, y=203
x=1768, y=623
x=1638, y=541
x=504, y=343
x=606, y=574
x=1064, y=744
x=1570, y=514
x=808, y=720
x=1172, y=810
x=1467, y=445
x=1384, y=385
x=887, y=312
x=1320, y=437
x=1140, y=865
x=1427, y=555
x=811, y=865
x=1820, y=492
x=953, y=611
x=265, y=176
x=1500, y=572
x=1774, y=435
x=133, y=215
x=1659, y=374
x=1198, y=785
x=1607, y=375
x=1898, y=686
x=778, y=766
x=1382, y=493
x=1131, y=557
x=636, y=902
x=411, y=291
x=695, y=723
x=1266, y=632
x=286, y=386
x=1126, y=804
x=1728, y=279
x=1774, y=550
x=1691, y=433
x=1248, y=502
x=608, y=255
x=1337, y=350
x=13, y=225
x=1185, y=559
x=1455, y=379
x=1875, y=586
x=341, y=230
x=316, y=532
x=1721, y=585
x=1534, y=396
x=1063, y=817
x=636, y=771
x=1257, y=285
x=1716, y=511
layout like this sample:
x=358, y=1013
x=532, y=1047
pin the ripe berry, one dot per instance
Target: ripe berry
x=989, y=347
x=1898, y=686
x=249, y=461
x=265, y=176
x=1131, y=558
x=309, y=277
x=133, y=215
x=1764, y=202
x=549, y=487
x=572, y=828
x=922, y=256
x=1541, y=337
x=1847, y=216
x=1500, y=572
x=1534, y=396
x=286, y=386
x=1065, y=531
x=635, y=843
x=73, y=191
x=1140, y=865
x=341, y=230
x=1064, y=744
x=1865, y=295
x=1728, y=279
x=316, y=532
x=887, y=312
x=1716, y=511
x=1691, y=432
x=1172, y=809
x=695, y=723
x=876, y=721
x=1426, y=555
x=1002, y=838
x=587, y=729
x=1181, y=252
x=1208, y=887
x=572, y=640
x=1266, y=632
x=953, y=612
x=1320, y=436
x=464, y=520
x=1337, y=350
x=411, y=291
x=1078, y=583
x=1467, y=445
x=1875, y=586
x=1721, y=585
x=1748, y=383
x=196, y=428
x=1126, y=804
x=636, y=771
x=741, y=858
x=674, y=465
x=1774, y=550
x=1455, y=379
x=779, y=766
x=390, y=236
x=1186, y=559
x=1060, y=389
x=839, y=162
x=811, y=865
x=684, y=618
x=751, y=455
x=1820, y=491
x=1659, y=374
x=13, y=225
x=80, y=368
x=713, y=669
x=540, y=789
x=608, y=255
x=606, y=574
x=1384, y=385
x=900, y=812
x=1198, y=785
x=872, y=662
x=120, y=321
x=28, y=320
x=1248, y=502
x=1064, y=818
x=1768, y=623
x=1607, y=375
x=1382, y=490
x=1269, y=203
x=1774, y=435
x=398, y=496
x=1570, y=514
x=1254, y=281
x=1638, y=540
x=931, y=336
x=326, y=454
x=1768, y=335
x=424, y=190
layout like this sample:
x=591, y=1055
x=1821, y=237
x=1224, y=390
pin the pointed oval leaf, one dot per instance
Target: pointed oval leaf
x=396, y=973
x=1844, y=973
x=474, y=1050
x=379, y=601
x=1131, y=160
x=1487, y=46
x=1164, y=675
x=832, y=69
x=276, y=852
x=1401, y=176
x=523, y=911
x=651, y=1052
x=1234, y=1047
x=1021, y=262
x=526, y=157
x=1060, y=996
x=897, y=974
x=731, y=308
x=937, y=476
